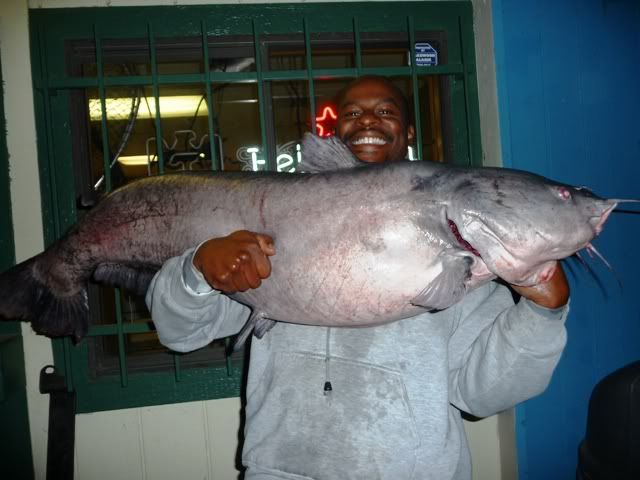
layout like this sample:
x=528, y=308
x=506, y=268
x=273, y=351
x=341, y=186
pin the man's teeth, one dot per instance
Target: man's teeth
x=369, y=141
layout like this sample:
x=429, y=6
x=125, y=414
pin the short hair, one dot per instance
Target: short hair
x=404, y=103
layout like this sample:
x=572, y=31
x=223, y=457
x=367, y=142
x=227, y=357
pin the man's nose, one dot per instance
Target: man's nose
x=367, y=118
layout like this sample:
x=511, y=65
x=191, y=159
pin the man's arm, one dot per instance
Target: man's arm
x=186, y=297
x=502, y=354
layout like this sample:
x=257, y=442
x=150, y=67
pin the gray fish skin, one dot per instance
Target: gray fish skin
x=354, y=247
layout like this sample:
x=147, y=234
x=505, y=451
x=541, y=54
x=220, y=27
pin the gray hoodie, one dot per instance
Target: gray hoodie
x=393, y=410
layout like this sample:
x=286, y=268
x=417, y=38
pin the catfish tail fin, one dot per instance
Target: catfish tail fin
x=23, y=296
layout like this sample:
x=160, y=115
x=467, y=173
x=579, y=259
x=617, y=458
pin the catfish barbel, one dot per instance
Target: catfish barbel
x=357, y=245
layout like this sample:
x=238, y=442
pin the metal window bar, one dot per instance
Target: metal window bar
x=156, y=96
x=312, y=91
x=177, y=366
x=415, y=86
x=122, y=359
x=358, y=49
x=106, y=157
x=467, y=80
x=227, y=357
x=269, y=154
x=231, y=77
x=215, y=161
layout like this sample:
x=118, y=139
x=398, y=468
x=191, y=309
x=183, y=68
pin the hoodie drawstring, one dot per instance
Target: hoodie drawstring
x=327, y=372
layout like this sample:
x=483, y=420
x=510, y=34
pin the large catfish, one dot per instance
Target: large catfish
x=357, y=245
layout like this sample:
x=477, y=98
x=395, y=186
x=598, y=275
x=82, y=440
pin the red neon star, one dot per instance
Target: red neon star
x=326, y=111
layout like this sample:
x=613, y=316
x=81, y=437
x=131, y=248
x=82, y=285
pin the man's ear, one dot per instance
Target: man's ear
x=411, y=134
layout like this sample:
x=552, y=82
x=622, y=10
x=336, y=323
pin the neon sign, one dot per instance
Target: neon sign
x=326, y=122
x=288, y=156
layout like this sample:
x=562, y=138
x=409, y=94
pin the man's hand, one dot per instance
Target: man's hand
x=237, y=262
x=554, y=293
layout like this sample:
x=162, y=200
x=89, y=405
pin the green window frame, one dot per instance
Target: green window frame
x=7, y=257
x=51, y=31
x=7, y=247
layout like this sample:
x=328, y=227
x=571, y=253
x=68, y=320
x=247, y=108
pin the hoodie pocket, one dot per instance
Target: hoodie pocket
x=363, y=429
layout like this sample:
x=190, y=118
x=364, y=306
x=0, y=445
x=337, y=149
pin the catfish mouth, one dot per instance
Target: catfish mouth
x=463, y=243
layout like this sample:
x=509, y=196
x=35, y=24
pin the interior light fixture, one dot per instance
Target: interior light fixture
x=170, y=107
x=136, y=160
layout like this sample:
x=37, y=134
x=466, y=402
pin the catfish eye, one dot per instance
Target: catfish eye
x=564, y=193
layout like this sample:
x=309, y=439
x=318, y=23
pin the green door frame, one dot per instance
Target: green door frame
x=15, y=441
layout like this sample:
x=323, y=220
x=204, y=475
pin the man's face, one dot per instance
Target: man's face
x=372, y=124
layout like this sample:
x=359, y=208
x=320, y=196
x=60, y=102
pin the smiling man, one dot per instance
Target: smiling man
x=373, y=120
x=363, y=403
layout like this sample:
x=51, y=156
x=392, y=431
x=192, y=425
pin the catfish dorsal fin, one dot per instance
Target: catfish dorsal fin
x=325, y=154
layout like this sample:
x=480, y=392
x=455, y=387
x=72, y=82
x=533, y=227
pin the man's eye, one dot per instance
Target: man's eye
x=385, y=111
x=352, y=114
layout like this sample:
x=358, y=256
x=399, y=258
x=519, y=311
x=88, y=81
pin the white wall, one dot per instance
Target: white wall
x=199, y=439
x=25, y=192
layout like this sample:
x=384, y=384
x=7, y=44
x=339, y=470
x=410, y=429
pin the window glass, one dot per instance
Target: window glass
x=185, y=130
x=127, y=109
x=284, y=52
x=384, y=49
x=435, y=115
x=333, y=50
x=231, y=54
x=179, y=55
x=237, y=122
x=291, y=119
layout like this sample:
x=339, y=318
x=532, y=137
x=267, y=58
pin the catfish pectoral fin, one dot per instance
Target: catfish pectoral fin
x=262, y=326
x=134, y=279
x=24, y=297
x=258, y=324
x=448, y=287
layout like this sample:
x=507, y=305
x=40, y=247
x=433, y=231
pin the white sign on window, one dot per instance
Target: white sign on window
x=288, y=157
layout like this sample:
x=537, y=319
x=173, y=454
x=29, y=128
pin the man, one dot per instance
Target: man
x=381, y=402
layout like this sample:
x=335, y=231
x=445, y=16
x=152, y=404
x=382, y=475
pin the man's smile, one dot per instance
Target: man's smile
x=369, y=141
x=371, y=137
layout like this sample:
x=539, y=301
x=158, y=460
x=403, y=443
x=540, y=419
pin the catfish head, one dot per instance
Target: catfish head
x=519, y=224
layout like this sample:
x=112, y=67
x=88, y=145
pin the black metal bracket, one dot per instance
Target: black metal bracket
x=62, y=424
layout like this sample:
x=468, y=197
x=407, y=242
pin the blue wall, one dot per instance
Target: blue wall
x=569, y=101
